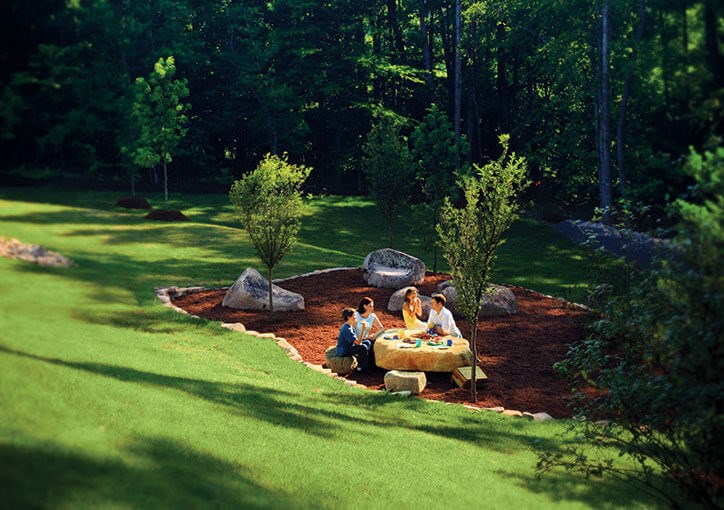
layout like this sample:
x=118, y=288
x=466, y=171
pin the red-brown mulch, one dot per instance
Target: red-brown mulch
x=166, y=215
x=516, y=352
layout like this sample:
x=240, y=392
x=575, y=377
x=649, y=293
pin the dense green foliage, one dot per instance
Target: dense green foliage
x=109, y=399
x=307, y=77
x=657, y=358
x=470, y=236
x=269, y=204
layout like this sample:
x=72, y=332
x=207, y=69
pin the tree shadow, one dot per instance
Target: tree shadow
x=276, y=407
x=163, y=474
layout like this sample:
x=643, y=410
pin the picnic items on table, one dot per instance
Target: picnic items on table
x=420, y=351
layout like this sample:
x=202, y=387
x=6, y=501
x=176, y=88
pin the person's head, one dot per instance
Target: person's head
x=438, y=301
x=366, y=305
x=410, y=294
x=349, y=316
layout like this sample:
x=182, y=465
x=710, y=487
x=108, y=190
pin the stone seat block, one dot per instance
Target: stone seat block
x=398, y=380
x=339, y=364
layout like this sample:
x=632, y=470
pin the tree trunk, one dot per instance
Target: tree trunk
x=474, y=349
x=458, y=84
x=426, y=54
x=389, y=233
x=604, y=172
x=502, y=80
x=622, y=177
x=133, y=181
x=711, y=42
x=395, y=29
x=165, y=185
x=271, y=303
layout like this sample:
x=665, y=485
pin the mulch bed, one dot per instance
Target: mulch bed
x=516, y=352
x=166, y=215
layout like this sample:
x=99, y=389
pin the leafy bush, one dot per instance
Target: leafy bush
x=654, y=362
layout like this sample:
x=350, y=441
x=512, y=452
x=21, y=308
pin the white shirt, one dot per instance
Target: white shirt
x=445, y=320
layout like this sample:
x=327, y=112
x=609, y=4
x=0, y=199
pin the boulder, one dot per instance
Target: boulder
x=398, y=298
x=251, y=292
x=500, y=303
x=339, y=364
x=392, y=269
x=397, y=380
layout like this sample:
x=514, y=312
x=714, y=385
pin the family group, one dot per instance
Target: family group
x=361, y=326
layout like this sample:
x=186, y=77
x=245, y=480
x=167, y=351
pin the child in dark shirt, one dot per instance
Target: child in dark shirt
x=347, y=341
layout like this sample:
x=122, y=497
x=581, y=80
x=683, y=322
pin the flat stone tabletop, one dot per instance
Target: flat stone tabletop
x=395, y=354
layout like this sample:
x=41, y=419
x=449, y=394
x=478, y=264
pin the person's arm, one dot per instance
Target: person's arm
x=431, y=319
x=380, y=327
x=418, y=307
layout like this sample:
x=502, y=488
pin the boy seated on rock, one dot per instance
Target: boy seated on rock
x=347, y=341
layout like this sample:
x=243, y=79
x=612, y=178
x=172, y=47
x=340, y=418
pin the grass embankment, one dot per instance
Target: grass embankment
x=109, y=399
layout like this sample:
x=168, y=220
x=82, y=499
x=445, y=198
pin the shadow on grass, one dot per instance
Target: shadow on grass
x=262, y=403
x=597, y=492
x=162, y=474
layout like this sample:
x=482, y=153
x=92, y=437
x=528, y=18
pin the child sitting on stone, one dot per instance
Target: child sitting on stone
x=347, y=341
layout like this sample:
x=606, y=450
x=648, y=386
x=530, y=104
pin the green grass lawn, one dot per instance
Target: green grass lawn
x=108, y=399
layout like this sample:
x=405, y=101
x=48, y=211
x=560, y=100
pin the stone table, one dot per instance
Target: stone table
x=394, y=354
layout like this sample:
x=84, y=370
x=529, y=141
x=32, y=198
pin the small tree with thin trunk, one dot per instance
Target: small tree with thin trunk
x=159, y=113
x=470, y=237
x=269, y=204
x=389, y=169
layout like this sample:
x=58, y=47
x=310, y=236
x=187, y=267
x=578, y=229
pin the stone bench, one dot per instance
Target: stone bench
x=397, y=380
x=339, y=364
x=392, y=269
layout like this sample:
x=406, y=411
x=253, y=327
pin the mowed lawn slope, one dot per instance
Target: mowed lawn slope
x=108, y=399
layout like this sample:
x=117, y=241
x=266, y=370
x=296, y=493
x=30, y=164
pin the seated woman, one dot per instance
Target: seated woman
x=368, y=325
x=412, y=309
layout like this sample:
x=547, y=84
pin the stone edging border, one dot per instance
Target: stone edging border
x=164, y=294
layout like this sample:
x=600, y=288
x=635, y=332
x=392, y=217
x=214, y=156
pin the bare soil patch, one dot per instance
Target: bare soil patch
x=517, y=352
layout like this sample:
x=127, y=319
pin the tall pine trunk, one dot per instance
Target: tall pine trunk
x=620, y=164
x=458, y=83
x=604, y=171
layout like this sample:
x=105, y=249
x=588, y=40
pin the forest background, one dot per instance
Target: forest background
x=583, y=88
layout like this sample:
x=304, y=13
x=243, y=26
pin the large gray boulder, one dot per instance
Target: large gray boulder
x=398, y=298
x=500, y=302
x=251, y=292
x=392, y=269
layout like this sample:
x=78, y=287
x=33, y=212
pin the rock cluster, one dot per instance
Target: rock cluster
x=14, y=249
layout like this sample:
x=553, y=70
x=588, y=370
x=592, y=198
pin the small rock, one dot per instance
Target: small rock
x=499, y=303
x=497, y=409
x=403, y=394
x=542, y=417
x=512, y=412
x=528, y=415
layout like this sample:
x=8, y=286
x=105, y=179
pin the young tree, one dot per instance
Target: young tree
x=434, y=150
x=269, y=204
x=471, y=236
x=160, y=117
x=389, y=169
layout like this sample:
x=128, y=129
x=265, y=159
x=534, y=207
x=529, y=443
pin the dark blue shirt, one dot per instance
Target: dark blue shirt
x=345, y=340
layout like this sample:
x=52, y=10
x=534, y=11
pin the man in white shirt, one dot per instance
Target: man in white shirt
x=441, y=319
